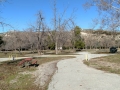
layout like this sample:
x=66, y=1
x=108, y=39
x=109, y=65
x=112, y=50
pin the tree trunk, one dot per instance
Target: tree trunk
x=56, y=47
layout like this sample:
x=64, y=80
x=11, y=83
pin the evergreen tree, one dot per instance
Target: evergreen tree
x=78, y=42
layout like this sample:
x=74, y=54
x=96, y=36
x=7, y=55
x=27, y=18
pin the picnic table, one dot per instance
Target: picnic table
x=27, y=62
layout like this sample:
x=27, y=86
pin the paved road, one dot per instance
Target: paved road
x=7, y=59
x=72, y=74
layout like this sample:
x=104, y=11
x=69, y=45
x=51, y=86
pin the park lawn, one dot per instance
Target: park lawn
x=12, y=77
x=8, y=54
x=108, y=63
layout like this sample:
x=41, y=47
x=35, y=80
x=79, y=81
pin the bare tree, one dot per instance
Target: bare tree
x=10, y=41
x=40, y=31
x=55, y=26
x=109, y=10
x=61, y=24
x=2, y=23
x=30, y=38
x=109, y=18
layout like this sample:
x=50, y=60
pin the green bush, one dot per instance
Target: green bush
x=79, y=44
x=113, y=50
x=51, y=46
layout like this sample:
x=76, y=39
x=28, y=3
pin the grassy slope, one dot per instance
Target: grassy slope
x=109, y=63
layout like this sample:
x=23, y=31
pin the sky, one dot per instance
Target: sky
x=20, y=14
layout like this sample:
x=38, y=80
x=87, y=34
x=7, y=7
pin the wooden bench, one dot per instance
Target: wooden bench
x=34, y=62
x=25, y=62
x=28, y=59
x=21, y=62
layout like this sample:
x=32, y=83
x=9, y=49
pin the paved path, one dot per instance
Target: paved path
x=7, y=59
x=72, y=74
x=28, y=56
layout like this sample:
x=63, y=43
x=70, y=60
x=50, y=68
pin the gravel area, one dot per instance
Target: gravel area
x=72, y=74
x=44, y=73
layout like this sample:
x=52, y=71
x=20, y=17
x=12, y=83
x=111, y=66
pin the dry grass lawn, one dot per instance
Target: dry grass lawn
x=108, y=63
x=12, y=77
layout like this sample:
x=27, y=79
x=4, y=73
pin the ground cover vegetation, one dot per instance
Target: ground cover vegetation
x=109, y=64
x=12, y=77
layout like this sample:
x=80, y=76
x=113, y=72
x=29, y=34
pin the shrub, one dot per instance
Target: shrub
x=113, y=50
x=52, y=46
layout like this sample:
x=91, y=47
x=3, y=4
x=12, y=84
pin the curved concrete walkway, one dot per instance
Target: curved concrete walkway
x=72, y=74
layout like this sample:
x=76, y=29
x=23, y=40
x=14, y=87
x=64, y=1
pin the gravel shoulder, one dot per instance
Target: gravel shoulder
x=72, y=74
x=44, y=73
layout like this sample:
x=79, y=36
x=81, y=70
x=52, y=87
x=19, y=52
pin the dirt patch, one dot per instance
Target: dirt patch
x=44, y=73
